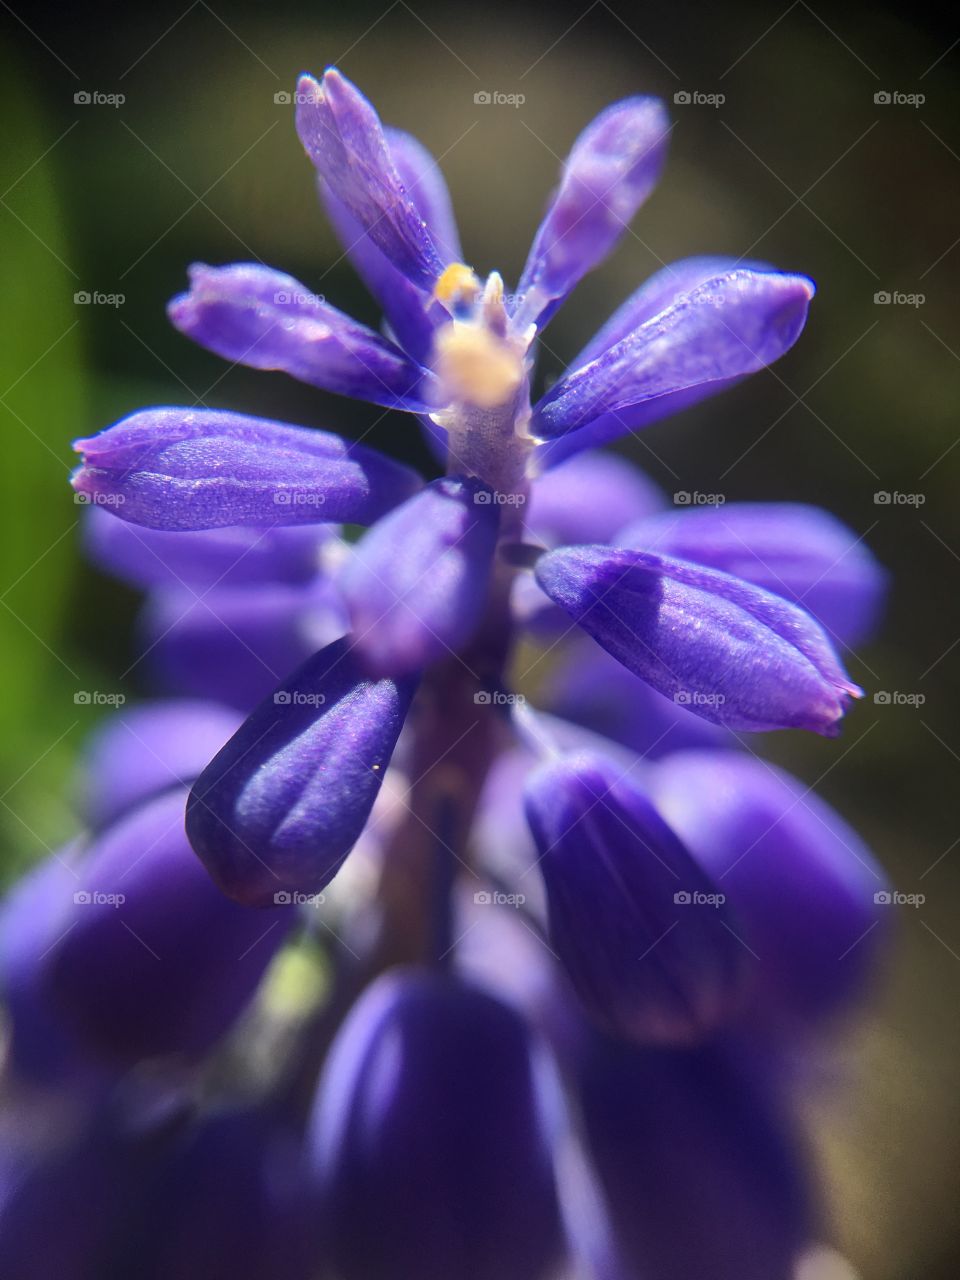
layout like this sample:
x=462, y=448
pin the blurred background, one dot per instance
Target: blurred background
x=139, y=140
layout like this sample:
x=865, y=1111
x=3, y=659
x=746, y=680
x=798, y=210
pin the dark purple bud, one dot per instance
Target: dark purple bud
x=733, y=653
x=253, y=315
x=702, y=1171
x=152, y=959
x=148, y=748
x=647, y=938
x=612, y=168
x=236, y=557
x=431, y=1139
x=342, y=135
x=799, y=552
x=812, y=902
x=723, y=329
x=416, y=585
x=279, y=808
x=191, y=469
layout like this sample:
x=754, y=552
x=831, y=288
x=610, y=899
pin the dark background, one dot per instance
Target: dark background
x=799, y=166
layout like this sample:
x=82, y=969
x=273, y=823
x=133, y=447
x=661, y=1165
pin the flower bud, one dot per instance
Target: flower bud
x=645, y=936
x=430, y=1142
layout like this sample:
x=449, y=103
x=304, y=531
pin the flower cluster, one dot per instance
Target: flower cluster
x=570, y=950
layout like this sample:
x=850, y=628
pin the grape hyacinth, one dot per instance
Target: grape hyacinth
x=570, y=955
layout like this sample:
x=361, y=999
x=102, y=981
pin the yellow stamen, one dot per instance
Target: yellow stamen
x=457, y=281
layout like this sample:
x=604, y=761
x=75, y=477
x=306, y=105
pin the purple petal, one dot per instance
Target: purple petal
x=727, y=650
x=799, y=552
x=145, y=749
x=416, y=586
x=733, y=325
x=343, y=137
x=611, y=170
x=641, y=930
x=586, y=500
x=656, y=294
x=424, y=183
x=409, y=311
x=281, y=806
x=591, y=688
x=807, y=891
x=431, y=1140
x=410, y=315
x=237, y=557
x=153, y=958
x=206, y=468
x=235, y=644
x=259, y=317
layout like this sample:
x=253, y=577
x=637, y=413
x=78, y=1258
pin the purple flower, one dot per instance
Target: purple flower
x=431, y=1139
x=651, y=934
x=641, y=928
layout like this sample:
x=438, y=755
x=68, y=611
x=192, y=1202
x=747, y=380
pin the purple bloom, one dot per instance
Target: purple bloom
x=643, y=906
x=143, y=955
x=280, y=807
x=736, y=654
x=431, y=1139
x=641, y=929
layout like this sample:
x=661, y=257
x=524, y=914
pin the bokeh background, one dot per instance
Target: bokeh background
x=799, y=164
